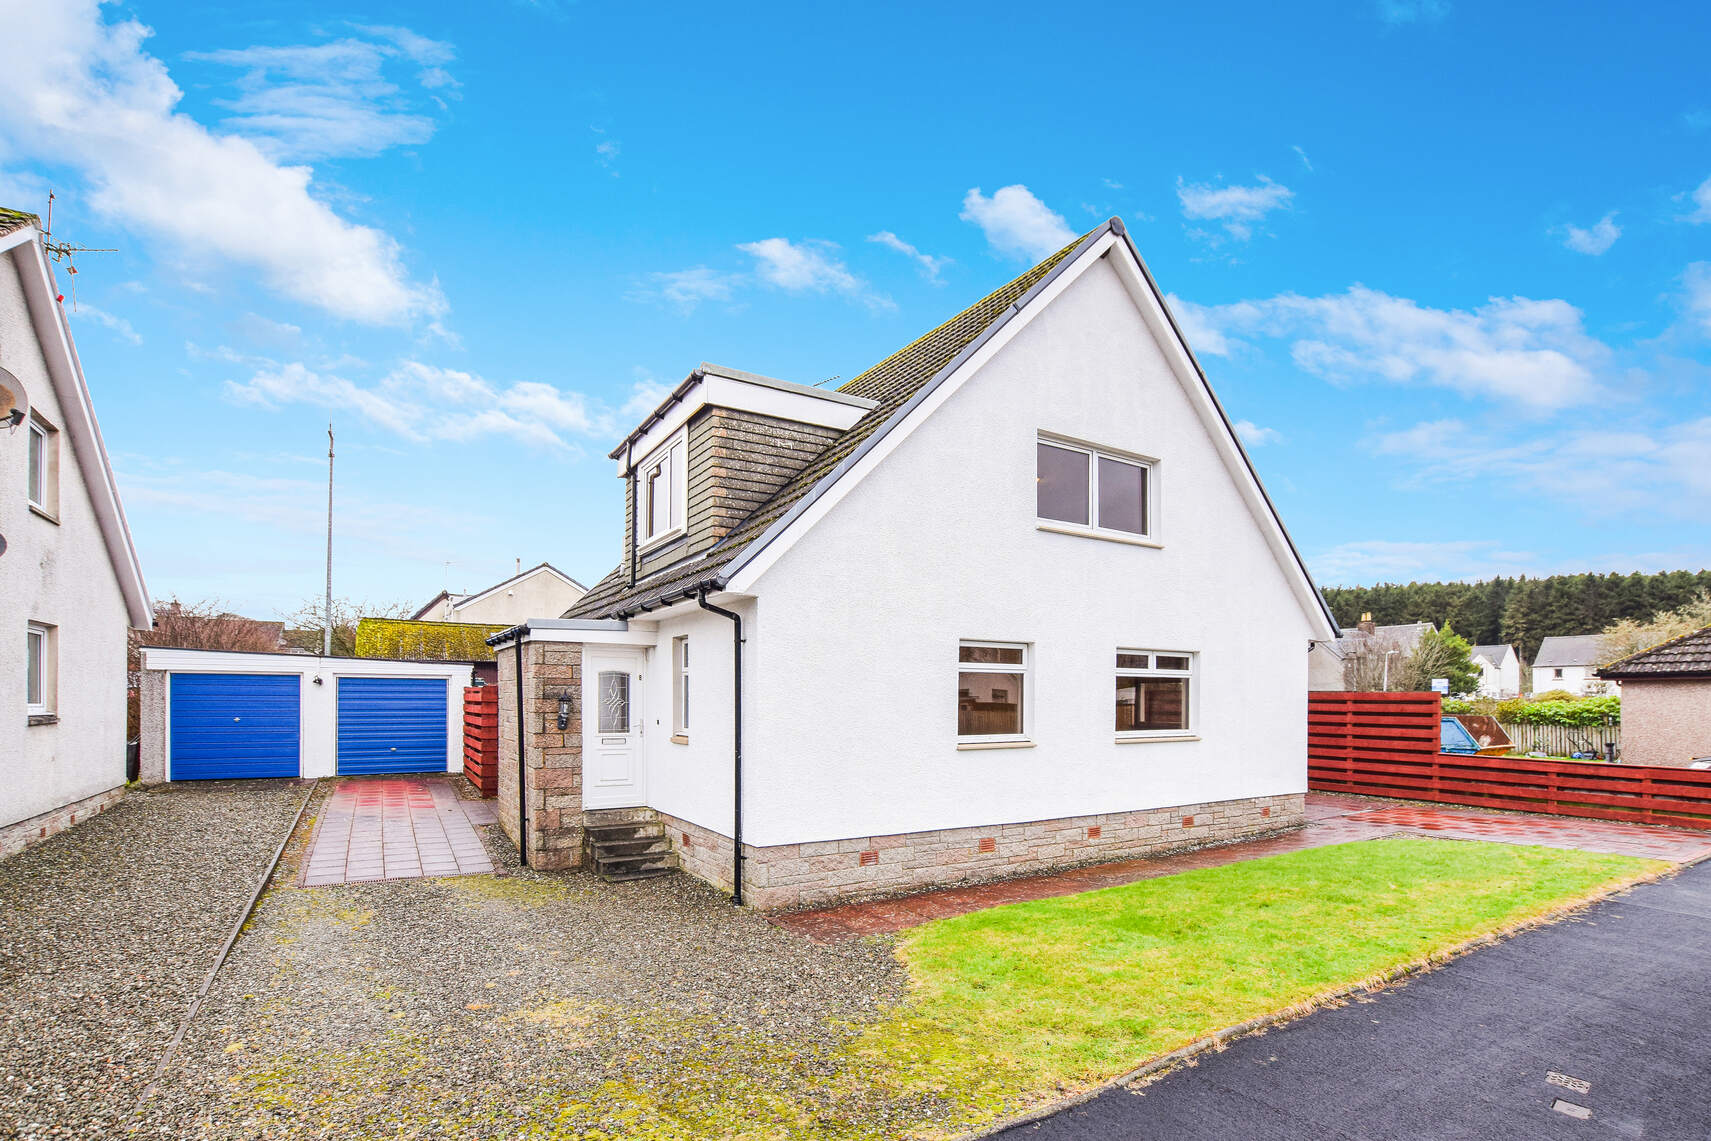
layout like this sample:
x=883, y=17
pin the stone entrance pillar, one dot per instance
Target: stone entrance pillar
x=552, y=757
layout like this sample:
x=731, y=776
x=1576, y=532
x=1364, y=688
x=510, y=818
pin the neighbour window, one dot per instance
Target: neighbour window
x=38, y=668
x=1556, y=673
x=1087, y=487
x=1153, y=693
x=663, y=483
x=680, y=686
x=39, y=483
x=991, y=681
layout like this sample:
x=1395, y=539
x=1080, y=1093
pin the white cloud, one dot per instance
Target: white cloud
x=82, y=93
x=1016, y=223
x=809, y=267
x=119, y=325
x=1594, y=240
x=1601, y=469
x=687, y=288
x=1239, y=208
x=423, y=403
x=1412, y=11
x=333, y=99
x=1697, y=280
x=1531, y=353
x=1701, y=198
x=1385, y=560
x=1255, y=436
x=930, y=265
x=1305, y=161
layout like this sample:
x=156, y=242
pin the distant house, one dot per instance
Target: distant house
x=1666, y=701
x=70, y=586
x=542, y=589
x=1499, y=671
x=1356, y=659
x=1570, y=662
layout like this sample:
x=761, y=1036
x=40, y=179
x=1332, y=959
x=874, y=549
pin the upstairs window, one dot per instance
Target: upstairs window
x=991, y=691
x=663, y=485
x=1153, y=695
x=1086, y=487
x=41, y=480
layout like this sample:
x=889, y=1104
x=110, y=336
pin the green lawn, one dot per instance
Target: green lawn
x=1084, y=987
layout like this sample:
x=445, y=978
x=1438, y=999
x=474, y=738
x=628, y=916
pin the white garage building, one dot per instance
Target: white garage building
x=214, y=714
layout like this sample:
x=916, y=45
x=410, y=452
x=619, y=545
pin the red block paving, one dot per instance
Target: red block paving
x=397, y=828
x=1331, y=819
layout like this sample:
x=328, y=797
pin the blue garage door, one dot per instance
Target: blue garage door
x=392, y=725
x=234, y=725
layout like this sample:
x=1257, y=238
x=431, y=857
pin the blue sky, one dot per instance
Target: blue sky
x=1451, y=266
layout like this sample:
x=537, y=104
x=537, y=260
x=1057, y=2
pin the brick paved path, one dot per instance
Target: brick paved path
x=396, y=828
x=1331, y=819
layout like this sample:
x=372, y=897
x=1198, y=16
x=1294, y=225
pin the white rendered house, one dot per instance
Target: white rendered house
x=1013, y=598
x=542, y=589
x=1499, y=671
x=1571, y=662
x=69, y=576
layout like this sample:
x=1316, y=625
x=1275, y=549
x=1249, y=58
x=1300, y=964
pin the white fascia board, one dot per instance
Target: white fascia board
x=772, y=398
x=65, y=372
x=759, y=556
x=1138, y=279
x=175, y=660
x=594, y=637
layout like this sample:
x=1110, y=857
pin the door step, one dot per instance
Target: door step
x=630, y=847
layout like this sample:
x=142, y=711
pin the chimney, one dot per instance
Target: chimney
x=1367, y=625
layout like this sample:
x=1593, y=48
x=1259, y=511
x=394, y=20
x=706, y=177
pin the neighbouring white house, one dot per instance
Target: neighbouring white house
x=1499, y=671
x=69, y=578
x=1571, y=662
x=542, y=589
x=1013, y=598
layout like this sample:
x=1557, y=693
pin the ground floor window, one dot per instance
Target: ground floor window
x=991, y=691
x=680, y=687
x=1153, y=694
x=38, y=668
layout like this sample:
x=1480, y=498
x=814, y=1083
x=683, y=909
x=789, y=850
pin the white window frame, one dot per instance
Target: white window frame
x=680, y=688
x=1091, y=529
x=39, y=650
x=41, y=480
x=1191, y=675
x=1025, y=668
x=675, y=453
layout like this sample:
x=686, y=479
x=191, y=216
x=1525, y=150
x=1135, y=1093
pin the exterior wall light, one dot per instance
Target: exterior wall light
x=563, y=711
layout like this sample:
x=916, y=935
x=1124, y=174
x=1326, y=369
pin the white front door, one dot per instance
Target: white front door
x=612, y=773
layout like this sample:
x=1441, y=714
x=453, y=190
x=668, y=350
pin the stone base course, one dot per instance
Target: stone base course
x=786, y=876
x=20, y=835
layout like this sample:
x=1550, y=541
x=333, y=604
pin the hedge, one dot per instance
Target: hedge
x=1575, y=712
x=424, y=641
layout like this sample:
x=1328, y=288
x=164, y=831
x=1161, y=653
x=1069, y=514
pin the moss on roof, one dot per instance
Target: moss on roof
x=11, y=220
x=892, y=382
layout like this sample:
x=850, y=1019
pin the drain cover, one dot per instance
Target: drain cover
x=1578, y=1085
x=1571, y=1109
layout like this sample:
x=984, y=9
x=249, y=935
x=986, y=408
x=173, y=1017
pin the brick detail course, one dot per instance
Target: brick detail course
x=787, y=876
x=22, y=834
x=553, y=758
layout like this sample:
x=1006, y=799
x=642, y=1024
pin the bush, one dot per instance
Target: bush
x=1575, y=712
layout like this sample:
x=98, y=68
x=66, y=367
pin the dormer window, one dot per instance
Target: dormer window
x=663, y=489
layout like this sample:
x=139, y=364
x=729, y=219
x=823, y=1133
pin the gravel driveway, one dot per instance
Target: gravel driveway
x=523, y=1004
x=106, y=931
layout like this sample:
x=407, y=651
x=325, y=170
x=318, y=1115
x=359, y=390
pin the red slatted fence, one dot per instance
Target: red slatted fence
x=1386, y=744
x=481, y=738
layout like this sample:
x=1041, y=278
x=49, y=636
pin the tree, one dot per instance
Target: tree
x=1439, y=654
x=1630, y=636
x=1375, y=663
x=304, y=626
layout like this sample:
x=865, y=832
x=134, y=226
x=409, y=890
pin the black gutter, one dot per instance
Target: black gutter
x=522, y=767
x=737, y=743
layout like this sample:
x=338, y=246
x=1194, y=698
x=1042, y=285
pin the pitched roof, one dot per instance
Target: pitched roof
x=11, y=220
x=1686, y=656
x=891, y=382
x=464, y=599
x=1569, y=650
x=1492, y=654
